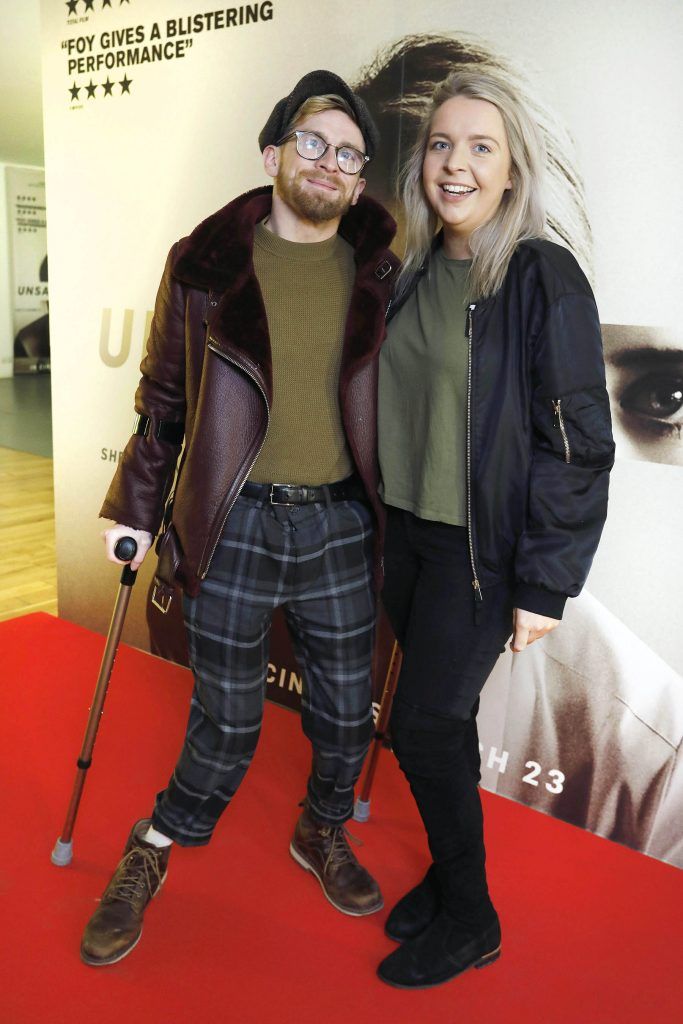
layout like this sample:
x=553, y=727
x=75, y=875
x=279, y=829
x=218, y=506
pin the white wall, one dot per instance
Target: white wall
x=21, y=108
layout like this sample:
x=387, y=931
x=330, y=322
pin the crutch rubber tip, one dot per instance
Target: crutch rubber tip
x=361, y=810
x=62, y=855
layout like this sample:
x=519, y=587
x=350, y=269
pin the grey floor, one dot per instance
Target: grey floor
x=26, y=413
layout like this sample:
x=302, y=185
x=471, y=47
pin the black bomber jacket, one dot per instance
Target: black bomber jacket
x=539, y=433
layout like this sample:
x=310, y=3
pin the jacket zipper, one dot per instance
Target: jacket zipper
x=386, y=316
x=478, y=596
x=559, y=422
x=214, y=348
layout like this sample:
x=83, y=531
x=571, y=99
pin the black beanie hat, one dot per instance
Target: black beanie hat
x=318, y=83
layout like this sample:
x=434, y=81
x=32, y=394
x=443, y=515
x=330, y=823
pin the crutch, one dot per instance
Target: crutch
x=125, y=549
x=361, y=811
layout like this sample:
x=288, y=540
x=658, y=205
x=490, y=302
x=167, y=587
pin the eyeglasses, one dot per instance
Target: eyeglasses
x=311, y=147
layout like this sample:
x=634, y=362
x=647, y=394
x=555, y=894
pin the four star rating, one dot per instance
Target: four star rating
x=89, y=5
x=107, y=88
x=94, y=89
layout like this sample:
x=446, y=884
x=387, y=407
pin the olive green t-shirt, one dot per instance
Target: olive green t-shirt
x=422, y=416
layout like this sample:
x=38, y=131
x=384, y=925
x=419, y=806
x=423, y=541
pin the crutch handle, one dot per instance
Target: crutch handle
x=125, y=549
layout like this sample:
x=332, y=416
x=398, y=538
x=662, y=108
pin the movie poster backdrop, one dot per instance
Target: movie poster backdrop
x=28, y=268
x=152, y=112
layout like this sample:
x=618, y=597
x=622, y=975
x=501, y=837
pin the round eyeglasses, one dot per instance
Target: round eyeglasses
x=312, y=147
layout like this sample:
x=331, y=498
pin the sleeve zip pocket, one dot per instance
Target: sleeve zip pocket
x=558, y=422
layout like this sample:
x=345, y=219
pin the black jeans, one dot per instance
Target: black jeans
x=447, y=657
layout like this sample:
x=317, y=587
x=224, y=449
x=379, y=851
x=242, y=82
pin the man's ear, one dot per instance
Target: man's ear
x=271, y=160
x=358, y=190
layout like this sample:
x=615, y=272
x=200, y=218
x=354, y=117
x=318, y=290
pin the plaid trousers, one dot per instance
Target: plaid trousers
x=316, y=562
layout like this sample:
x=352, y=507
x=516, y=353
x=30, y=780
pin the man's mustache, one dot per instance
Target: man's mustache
x=320, y=177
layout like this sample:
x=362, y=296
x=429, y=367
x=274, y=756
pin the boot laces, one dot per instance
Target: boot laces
x=340, y=851
x=139, y=873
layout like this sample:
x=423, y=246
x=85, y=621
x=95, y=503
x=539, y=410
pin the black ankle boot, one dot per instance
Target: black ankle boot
x=445, y=949
x=415, y=910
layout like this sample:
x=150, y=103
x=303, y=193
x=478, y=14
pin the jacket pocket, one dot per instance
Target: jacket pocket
x=559, y=424
x=576, y=427
x=170, y=555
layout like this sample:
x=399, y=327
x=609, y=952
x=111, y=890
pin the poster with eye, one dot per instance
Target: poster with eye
x=152, y=112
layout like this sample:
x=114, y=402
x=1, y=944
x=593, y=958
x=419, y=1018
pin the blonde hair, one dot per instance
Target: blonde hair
x=316, y=105
x=521, y=213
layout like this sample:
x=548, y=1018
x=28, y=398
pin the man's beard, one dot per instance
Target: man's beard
x=316, y=207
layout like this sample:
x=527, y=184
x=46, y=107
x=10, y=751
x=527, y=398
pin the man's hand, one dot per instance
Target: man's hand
x=527, y=627
x=141, y=538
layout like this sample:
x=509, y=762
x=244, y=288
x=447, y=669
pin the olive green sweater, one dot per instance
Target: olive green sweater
x=306, y=290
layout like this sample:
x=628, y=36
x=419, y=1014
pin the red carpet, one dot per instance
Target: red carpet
x=591, y=931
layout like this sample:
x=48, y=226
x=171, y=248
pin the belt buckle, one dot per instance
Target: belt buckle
x=163, y=604
x=286, y=503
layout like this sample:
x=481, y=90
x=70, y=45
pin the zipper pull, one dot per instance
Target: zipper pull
x=478, y=601
x=556, y=416
x=468, y=321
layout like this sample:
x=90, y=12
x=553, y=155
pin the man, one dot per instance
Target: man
x=263, y=356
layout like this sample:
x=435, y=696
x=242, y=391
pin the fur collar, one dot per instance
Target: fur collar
x=221, y=246
x=218, y=257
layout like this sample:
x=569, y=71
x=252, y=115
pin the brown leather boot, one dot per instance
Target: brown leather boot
x=116, y=926
x=324, y=850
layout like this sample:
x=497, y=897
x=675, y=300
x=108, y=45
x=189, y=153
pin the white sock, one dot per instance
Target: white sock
x=156, y=838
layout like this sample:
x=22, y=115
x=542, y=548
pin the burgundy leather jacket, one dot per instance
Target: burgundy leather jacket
x=208, y=365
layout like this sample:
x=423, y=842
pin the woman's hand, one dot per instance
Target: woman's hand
x=527, y=627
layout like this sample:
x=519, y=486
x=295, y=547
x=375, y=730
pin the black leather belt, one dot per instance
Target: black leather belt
x=350, y=489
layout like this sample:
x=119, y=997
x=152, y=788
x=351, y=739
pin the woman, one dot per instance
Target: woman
x=495, y=449
x=398, y=85
x=598, y=703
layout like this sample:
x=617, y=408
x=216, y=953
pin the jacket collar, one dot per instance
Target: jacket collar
x=418, y=274
x=218, y=257
x=221, y=246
